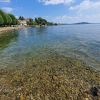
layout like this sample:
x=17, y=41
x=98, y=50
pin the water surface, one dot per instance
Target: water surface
x=77, y=41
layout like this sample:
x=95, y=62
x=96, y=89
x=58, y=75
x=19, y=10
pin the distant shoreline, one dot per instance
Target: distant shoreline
x=13, y=28
x=78, y=23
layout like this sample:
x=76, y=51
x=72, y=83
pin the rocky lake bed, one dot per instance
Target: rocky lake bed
x=55, y=78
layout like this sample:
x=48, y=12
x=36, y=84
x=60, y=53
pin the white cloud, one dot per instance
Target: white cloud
x=87, y=7
x=55, y=2
x=87, y=10
x=7, y=9
x=5, y=1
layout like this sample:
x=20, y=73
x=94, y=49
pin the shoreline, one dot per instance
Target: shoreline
x=10, y=29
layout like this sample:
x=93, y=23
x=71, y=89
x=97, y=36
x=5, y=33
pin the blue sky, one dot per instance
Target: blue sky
x=65, y=11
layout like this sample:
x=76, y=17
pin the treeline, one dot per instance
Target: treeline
x=7, y=19
x=41, y=21
x=37, y=21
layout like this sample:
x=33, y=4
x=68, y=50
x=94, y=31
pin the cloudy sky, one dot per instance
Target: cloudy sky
x=65, y=11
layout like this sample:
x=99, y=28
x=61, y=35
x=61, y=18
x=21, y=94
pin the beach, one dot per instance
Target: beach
x=8, y=29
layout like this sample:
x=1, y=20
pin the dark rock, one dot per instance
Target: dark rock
x=34, y=66
x=94, y=91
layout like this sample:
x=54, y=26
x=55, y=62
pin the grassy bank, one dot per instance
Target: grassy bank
x=53, y=78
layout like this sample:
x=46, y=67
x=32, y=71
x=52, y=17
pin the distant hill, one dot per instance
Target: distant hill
x=74, y=23
x=82, y=23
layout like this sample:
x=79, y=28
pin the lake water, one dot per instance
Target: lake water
x=77, y=41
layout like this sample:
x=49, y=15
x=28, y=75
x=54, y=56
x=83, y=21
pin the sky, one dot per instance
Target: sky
x=61, y=11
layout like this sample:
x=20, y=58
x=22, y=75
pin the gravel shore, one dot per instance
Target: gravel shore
x=8, y=29
x=55, y=78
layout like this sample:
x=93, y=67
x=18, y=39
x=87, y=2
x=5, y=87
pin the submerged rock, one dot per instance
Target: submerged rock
x=90, y=94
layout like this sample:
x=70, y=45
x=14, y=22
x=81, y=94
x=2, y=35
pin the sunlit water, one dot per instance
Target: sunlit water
x=77, y=41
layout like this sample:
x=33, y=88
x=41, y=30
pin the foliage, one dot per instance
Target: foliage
x=34, y=23
x=10, y=19
x=40, y=21
x=14, y=20
x=50, y=23
x=7, y=19
x=21, y=18
x=30, y=22
x=1, y=20
x=3, y=16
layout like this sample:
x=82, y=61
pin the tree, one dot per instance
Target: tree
x=30, y=22
x=9, y=19
x=34, y=23
x=40, y=21
x=1, y=21
x=4, y=17
x=14, y=20
x=21, y=18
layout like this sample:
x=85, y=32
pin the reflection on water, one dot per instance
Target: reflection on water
x=6, y=38
x=78, y=41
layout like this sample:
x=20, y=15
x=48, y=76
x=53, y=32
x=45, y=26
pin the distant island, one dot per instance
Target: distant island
x=83, y=23
x=75, y=23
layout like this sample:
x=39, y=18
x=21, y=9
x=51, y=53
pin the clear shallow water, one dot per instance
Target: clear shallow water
x=77, y=41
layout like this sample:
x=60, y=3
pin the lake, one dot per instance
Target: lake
x=77, y=41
